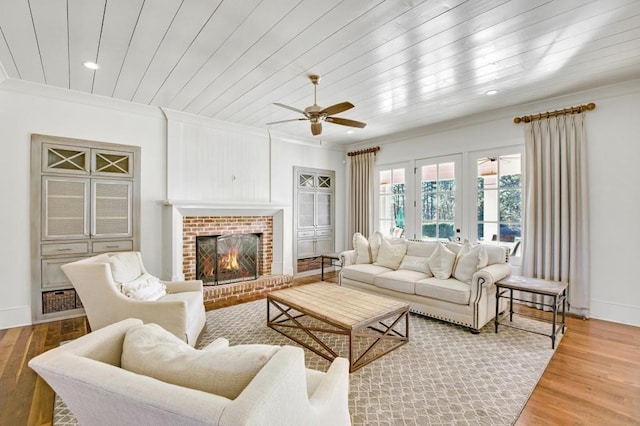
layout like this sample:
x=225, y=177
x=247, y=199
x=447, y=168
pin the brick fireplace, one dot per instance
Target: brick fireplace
x=185, y=220
x=197, y=226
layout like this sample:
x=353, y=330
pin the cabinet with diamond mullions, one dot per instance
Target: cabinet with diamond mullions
x=314, y=212
x=85, y=197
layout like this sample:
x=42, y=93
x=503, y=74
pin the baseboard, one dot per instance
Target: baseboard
x=616, y=312
x=15, y=317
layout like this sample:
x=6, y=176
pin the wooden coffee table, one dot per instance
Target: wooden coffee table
x=316, y=315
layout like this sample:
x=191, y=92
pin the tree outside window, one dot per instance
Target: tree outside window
x=438, y=201
x=500, y=199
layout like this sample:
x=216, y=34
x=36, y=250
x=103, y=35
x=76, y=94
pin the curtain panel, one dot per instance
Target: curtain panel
x=361, y=193
x=556, y=214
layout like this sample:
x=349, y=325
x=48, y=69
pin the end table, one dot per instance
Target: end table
x=557, y=290
x=334, y=260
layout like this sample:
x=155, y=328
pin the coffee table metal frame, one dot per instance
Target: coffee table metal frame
x=555, y=289
x=287, y=315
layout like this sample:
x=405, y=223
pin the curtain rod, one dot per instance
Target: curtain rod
x=572, y=110
x=373, y=149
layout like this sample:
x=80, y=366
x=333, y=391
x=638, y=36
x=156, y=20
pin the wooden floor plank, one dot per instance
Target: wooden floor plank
x=592, y=379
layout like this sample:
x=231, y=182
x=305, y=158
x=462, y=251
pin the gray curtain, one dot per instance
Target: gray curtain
x=556, y=216
x=361, y=193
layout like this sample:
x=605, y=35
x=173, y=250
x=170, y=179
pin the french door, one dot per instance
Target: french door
x=438, y=198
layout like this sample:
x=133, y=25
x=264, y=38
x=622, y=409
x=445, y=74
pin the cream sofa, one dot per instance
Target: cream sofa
x=462, y=290
x=89, y=375
x=102, y=281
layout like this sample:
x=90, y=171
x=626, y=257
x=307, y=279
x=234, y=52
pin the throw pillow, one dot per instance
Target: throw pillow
x=374, y=244
x=468, y=263
x=441, y=262
x=390, y=255
x=152, y=351
x=125, y=267
x=362, y=248
x=145, y=287
x=416, y=263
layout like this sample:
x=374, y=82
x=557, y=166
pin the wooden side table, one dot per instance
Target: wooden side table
x=555, y=289
x=334, y=260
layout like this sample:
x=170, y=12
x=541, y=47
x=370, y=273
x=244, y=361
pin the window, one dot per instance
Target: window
x=438, y=200
x=420, y=197
x=499, y=199
x=391, y=208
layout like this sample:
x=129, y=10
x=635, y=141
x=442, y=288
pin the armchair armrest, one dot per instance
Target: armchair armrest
x=347, y=257
x=332, y=394
x=182, y=286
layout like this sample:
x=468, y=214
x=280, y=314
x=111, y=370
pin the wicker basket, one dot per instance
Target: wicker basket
x=58, y=300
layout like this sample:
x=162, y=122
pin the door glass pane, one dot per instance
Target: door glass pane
x=499, y=201
x=305, y=209
x=438, y=198
x=324, y=209
x=392, y=200
x=305, y=180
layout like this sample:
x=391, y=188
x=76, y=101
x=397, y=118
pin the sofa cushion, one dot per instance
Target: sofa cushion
x=125, y=267
x=361, y=246
x=416, y=263
x=421, y=248
x=363, y=272
x=441, y=262
x=468, y=261
x=374, y=245
x=450, y=290
x=152, y=351
x=496, y=254
x=400, y=280
x=390, y=255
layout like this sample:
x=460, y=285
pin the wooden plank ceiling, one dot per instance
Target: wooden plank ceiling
x=403, y=63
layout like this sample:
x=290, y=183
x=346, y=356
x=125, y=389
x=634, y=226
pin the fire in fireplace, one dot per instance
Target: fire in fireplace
x=222, y=259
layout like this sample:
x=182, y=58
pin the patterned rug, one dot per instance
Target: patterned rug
x=445, y=375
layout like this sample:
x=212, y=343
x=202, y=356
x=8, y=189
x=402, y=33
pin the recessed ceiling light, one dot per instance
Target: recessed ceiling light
x=491, y=92
x=349, y=132
x=91, y=65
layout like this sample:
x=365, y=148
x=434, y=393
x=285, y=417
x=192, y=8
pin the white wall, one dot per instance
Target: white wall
x=614, y=175
x=23, y=111
x=29, y=108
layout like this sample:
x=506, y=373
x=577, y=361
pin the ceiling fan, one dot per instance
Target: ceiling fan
x=316, y=114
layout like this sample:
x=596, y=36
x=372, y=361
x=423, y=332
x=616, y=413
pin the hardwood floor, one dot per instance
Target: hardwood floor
x=592, y=379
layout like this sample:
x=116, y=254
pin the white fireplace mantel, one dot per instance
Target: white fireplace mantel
x=176, y=210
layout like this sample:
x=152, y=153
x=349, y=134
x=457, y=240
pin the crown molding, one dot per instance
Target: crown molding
x=74, y=96
x=507, y=113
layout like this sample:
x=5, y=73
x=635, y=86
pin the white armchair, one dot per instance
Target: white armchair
x=88, y=375
x=180, y=311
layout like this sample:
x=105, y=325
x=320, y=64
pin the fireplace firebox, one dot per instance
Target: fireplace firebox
x=222, y=259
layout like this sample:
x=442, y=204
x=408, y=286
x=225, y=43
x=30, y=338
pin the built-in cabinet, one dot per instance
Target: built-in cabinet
x=85, y=201
x=314, y=213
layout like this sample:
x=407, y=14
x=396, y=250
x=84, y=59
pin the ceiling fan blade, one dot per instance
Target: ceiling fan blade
x=337, y=108
x=289, y=107
x=345, y=122
x=286, y=121
x=316, y=129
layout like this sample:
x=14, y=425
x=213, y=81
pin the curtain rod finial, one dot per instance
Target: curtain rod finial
x=591, y=106
x=517, y=120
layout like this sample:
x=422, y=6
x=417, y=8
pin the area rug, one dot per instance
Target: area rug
x=445, y=375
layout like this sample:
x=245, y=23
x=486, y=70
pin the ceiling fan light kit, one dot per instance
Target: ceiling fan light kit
x=317, y=114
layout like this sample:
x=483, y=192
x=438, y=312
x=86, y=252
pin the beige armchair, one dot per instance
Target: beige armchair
x=179, y=311
x=91, y=377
